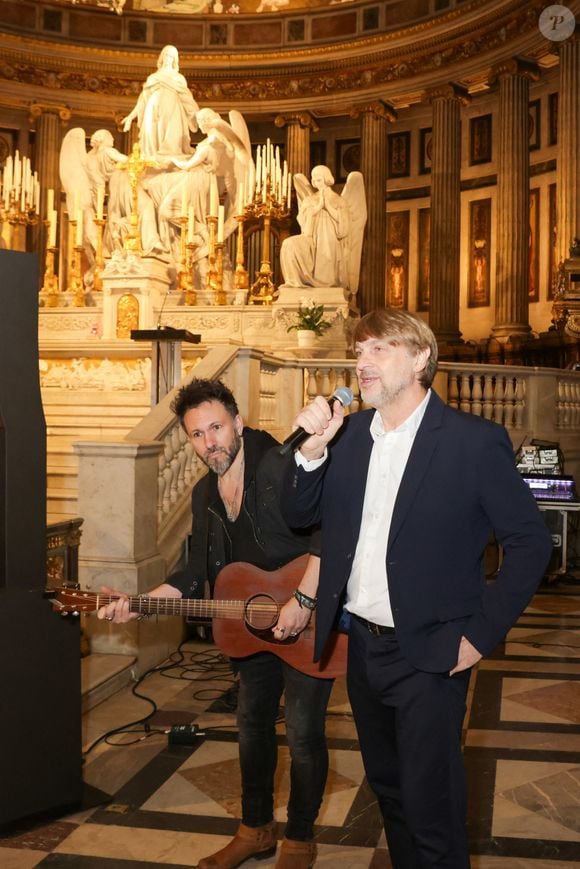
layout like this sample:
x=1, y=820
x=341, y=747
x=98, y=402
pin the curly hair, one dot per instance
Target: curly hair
x=198, y=392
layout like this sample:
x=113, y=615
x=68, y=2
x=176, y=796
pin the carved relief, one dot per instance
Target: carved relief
x=325, y=76
x=68, y=323
x=101, y=374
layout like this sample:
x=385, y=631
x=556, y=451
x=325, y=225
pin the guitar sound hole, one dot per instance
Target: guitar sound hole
x=261, y=612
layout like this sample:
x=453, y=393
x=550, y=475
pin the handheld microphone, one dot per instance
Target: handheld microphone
x=293, y=441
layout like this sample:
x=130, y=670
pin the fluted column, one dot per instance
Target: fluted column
x=445, y=211
x=513, y=208
x=568, y=167
x=49, y=122
x=374, y=118
x=298, y=125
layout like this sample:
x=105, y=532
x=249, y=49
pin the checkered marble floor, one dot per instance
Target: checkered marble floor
x=149, y=803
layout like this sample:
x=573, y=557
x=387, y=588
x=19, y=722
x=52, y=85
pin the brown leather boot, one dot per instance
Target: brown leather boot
x=296, y=855
x=256, y=842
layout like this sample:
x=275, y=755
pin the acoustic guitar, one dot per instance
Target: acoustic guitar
x=244, y=609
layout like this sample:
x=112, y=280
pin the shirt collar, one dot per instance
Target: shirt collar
x=411, y=424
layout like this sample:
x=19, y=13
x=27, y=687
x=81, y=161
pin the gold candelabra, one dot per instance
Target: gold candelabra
x=241, y=277
x=135, y=166
x=186, y=252
x=220, y=296
x=76, y=285
x=50, y=280
x=214, y=280
x=265, y=207
x=99, y=259
x=18, y=216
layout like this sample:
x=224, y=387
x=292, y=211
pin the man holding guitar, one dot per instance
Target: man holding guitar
x=236, y=518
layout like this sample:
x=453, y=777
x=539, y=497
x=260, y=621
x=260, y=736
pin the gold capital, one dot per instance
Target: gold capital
x=515, y=66
x=303, y=119
x=378, y=108
x=450, y=91
x=38, y=109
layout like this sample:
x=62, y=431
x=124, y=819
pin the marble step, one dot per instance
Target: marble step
x=104, y=675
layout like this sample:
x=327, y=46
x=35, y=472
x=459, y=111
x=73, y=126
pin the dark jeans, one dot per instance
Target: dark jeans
x=409, y=726
x=263, y=678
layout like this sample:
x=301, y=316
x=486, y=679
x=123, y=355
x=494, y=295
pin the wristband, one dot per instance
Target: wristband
x=304, y=600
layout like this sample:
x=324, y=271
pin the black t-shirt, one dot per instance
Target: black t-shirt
x=244, y=544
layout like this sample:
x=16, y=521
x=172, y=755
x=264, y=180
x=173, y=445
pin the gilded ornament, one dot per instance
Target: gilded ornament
x=127, y=315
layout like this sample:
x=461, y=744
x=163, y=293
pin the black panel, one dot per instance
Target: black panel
x=40, y=724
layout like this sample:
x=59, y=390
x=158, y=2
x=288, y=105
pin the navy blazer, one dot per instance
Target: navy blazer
x=459, y=485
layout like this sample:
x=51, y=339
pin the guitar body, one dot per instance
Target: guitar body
x=265, y=592
x=244, y=609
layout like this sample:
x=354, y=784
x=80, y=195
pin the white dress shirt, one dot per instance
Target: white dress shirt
x=367, y=592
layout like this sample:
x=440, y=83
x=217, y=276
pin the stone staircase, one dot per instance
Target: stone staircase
x=77, y=415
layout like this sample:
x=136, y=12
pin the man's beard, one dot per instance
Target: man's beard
x=223, y=456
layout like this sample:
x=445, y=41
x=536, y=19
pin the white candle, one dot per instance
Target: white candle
x=8, y=175
x=17, y=173
x=289, y=199
x=251, y=185
x=49, y=202
x=36, y=194
x=79, y=229
x=258, y=169
x=184, y=201
x=52, y=228
x=220, y=227
x=190, y=224
x=213, y=197
x=241, y=198
x=100, y=202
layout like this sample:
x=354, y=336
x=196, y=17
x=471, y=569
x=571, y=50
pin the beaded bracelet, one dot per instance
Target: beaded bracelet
x=304, y=600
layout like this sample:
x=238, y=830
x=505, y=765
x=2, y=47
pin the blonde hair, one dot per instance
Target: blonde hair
x=400, y=327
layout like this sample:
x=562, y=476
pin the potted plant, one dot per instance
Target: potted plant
x=310, y=323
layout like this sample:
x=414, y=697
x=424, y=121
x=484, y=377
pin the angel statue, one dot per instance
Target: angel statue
x=83, y=174
x=165, y=110
x=328, y=251
x=225, y=153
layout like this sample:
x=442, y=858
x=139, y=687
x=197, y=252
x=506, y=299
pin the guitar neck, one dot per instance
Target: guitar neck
x=175, y=606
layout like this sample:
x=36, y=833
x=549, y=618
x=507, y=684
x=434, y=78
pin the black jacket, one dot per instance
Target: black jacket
x=210, y=539
x=460, y=483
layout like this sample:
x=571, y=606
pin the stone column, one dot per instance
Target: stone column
x=375, y=118
x=49, y=122
x=512, y=207
x=298, y=125
x=568, y=167
x=445, y=211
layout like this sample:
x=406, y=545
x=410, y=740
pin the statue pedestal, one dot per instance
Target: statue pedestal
x=334, y=342
x=330, y=297
x=134, y=289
